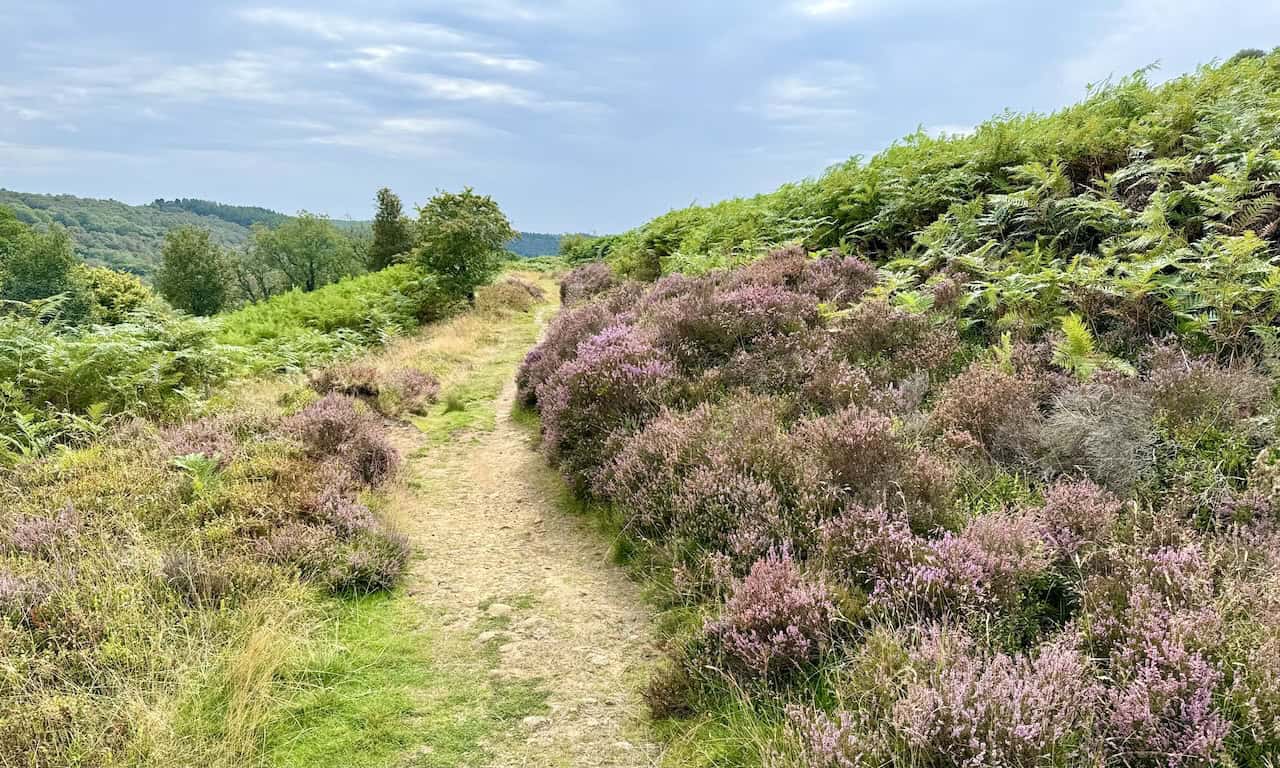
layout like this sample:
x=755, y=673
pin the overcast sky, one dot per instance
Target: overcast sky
x=576, y=115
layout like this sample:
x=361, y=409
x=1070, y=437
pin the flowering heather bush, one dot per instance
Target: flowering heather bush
x=993, y=406
x=328, y=423
x=867, y=544
x=348, y=518
x=586, y=282
x=1199, y=391
x=44, y=536
x=832, y=279
x=1078, y=518
x=210, y=437
x=307, y=548
x=371, y=456
x=618, y=380
x=969, y=709
x=723, y=508
x=560, y=344
x=894, y=341
x=776, y=622
x=703, y=329
x=829, y=741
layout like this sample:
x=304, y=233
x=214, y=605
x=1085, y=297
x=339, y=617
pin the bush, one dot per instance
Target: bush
x=586, y=282
x=328, y=424
x=511, y=294
x=994, y=407
x=776, y=623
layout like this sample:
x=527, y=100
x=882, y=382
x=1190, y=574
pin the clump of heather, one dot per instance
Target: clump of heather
x=412, y=389
x=776, y=622
x=969, y=708
x=892, y=341
x=328, y=423
x=586, y=282
x=994, y=407
x=832, y=279
x=210, y=437
x=347, y=517
x=1078, y=518
x=371, y=456
x=351, y=379
x=44, y=537
x=618, y=380
x=1200, y=391
x=20, y=597
x=194, y=579
x=829, y=740
x=560, y=345
x=306, y=548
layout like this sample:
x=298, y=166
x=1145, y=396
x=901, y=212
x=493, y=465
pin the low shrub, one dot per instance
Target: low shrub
x=586, y=282
x=510, y=294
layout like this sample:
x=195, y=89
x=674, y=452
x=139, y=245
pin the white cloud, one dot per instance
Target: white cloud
x=826, y=90
x=506, y=63
x=405, y=136
x=387, y=63
x=351, y=29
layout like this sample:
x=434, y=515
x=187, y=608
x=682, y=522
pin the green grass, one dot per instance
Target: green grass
x=378, y=679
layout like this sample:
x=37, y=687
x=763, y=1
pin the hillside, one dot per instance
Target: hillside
x=965, y=455
x=128, y=237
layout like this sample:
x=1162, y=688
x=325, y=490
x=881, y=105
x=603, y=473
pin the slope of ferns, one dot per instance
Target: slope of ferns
x=986, y=475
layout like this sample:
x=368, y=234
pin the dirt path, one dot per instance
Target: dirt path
x=511, y=572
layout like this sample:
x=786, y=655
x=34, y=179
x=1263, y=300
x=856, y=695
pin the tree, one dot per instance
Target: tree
x=41, y=265
x=391, y=232
x=193, y=273
x=460, y=238
x=115, y=294
x=256, y=279
x=308, y=250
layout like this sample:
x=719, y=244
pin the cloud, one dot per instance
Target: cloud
x=507, y=63
x=405, y=136
x=825, y=91
x=339, y=28
x=391, y=63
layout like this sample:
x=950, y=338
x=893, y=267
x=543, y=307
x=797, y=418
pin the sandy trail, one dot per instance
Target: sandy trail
x=506, y=565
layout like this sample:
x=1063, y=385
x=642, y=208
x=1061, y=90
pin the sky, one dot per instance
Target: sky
x=575, y=115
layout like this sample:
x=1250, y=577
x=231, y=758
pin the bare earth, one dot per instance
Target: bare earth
x=507, y=566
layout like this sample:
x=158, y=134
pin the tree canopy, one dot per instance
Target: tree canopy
x=460, y=238
x=193, y=273
x=392, y=232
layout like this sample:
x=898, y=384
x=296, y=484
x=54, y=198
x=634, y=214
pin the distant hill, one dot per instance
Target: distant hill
x=128, y=237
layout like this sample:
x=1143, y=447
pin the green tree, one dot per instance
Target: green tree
x=460, y=240
x=40, y=265
x=115, y=294
x=392, y=236
x=309, y=251
x=193, y=273
x=254, y=277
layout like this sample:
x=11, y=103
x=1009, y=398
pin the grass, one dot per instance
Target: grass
x=384, y=682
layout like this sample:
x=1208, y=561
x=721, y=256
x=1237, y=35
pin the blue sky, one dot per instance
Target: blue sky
x=589, y=115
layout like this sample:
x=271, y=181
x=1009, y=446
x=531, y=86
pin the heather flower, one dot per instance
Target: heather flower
x=328, y=423
x=559, y=345
x=586, y=282
x=307, y=548
x=44, y=536
x=877, y=334
x=995, y=407
x=349, y=379
x=829, y=740
x=865, y=544
x=978, y=710
x=349, y=518
x=776, y=622
x=617, y=381
x=20, y=597
x=721, y=507
x=210, y=437
x=1078, y=517
x=703, y=329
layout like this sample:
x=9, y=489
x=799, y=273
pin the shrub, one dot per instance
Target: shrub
x=999, y=710
x=1101, y=430
x=993, y=406
x=511, y=294
x=408, y=389
x=44, y=536
x=327, y=424
x=586, y=282
x=309, y=549
x=618, y=380
x=892, y=340
x=558, y=346
x=1078, y=518
x=776, y=622
x=348, y=379
x=209, y=437
x=1200, y=392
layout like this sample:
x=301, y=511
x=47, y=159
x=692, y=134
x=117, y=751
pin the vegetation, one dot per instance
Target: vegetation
x=392, y=232
x=460, y=238
x=129, y=238
x=980, y=469
x=193, y=272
